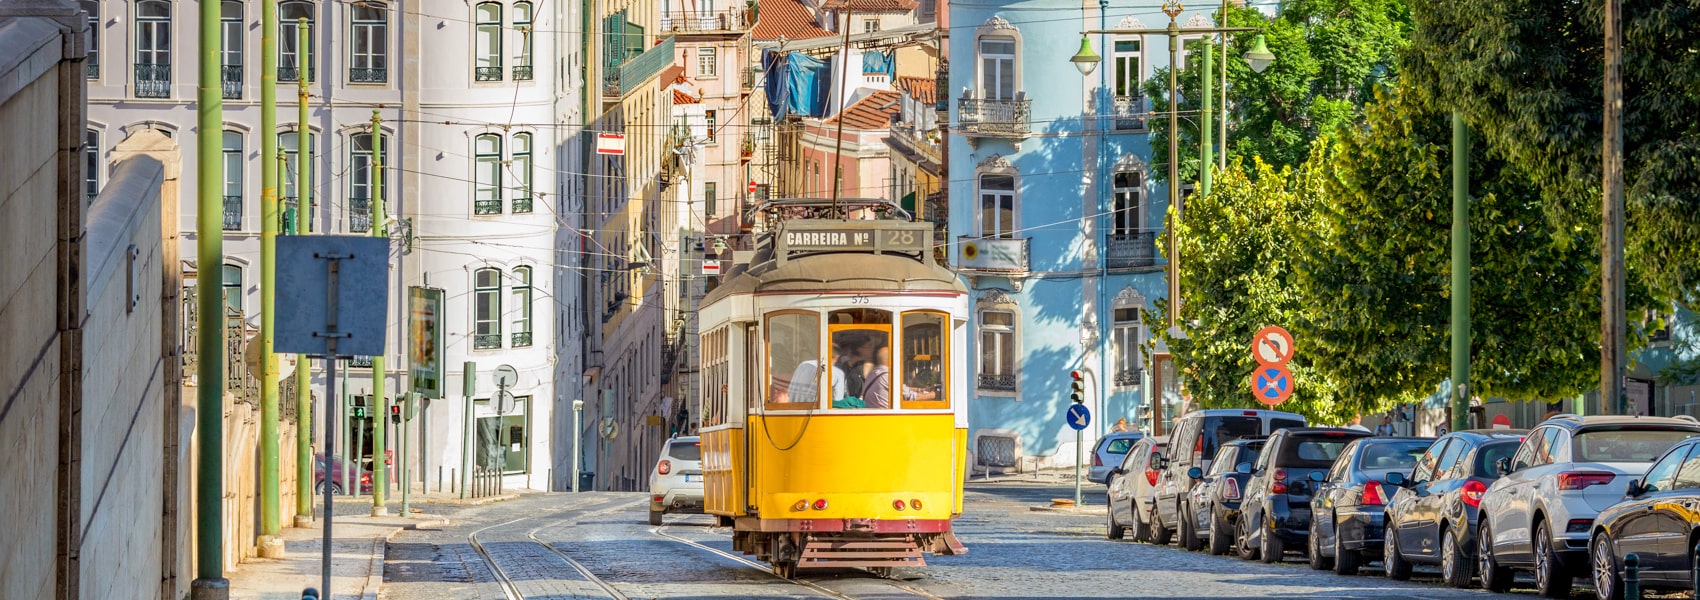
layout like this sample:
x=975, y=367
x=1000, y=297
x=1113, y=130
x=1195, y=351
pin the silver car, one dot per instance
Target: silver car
x=1539, y=514
x=1109, y=452
x=675, y=484
x=1133, y=490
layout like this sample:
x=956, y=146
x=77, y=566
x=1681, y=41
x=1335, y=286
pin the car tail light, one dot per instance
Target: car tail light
x=365, y=478
x=665, y=467
x=1583, y=479
x=800, y=506
x=1473, y=491
x=1151, y=476
x=1097, y=461
x=1279, y=488
x=1251, y=413
x=915, y=503
x=1230, y=489
x=1579, y=526
x=897, y=504
x=657, y=498
x=1198, y=451
x=1280, y=474
x=1372, y=494
x=820, y=504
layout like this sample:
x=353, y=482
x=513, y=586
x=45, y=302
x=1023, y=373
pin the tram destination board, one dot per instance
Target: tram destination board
x=854, y=237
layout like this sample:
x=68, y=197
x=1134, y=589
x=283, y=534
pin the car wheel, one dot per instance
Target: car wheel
x=1242, y=540
x=1608, y=583
x=1392, y=562
x=1269, y=546
x=1160, y=533
x=654, y=517
x=1141, y=528
x=336, y=488
x=1112, y=529
x=1346, y=562
x=1220, y=541
x=1551, y=580
x=1455, y=567
x=1189, y=533
x=1317, y=560
x=1495, y=578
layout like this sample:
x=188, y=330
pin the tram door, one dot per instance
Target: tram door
x=754, y=392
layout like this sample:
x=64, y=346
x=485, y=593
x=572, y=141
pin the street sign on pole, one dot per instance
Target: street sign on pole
x=1079, y=416
x=1272, y=384
x=506, y=376
x=503, y=401
x=1272, y=346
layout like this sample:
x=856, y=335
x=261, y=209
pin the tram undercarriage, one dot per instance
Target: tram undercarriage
x=878, y=545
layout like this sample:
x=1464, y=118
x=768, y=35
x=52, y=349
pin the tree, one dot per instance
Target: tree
x=1528, y=76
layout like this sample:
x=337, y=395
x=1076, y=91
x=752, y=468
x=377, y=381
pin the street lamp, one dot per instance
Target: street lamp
x=1259, y=56
x=1085, y=60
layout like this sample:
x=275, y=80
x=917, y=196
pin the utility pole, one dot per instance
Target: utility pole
x=380, y=472
x=1611, y=222
x=1205, y=150
x=271, y=515
x=1460, y=273
x=1222, y=159
x=301, y=225
x=1173, y=9
x=209, y=583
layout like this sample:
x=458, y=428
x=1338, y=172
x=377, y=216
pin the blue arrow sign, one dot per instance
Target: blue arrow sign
x=1079, y=417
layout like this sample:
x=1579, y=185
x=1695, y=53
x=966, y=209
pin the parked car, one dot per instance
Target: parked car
x=341, y=467
x=1275, y=513
x=1433, y=509
x=1132, y=485
x=1655, y=521
x=1198, y=436
x=675, y=484
x=1539, y=514
x=1217, y=494
x=1347, y=508
x=1109, y=452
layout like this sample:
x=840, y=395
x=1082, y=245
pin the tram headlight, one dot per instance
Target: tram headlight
x=915, y=503
x=897, y=504
x=820, y=504
x=801, y=505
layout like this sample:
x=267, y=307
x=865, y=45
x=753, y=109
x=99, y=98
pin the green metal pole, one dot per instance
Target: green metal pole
x=299, y=225
x=380, y=472
x=271, y=515
x=1460, y=274
x=1205, y=152
x=1222, y=159
x=401, y=457
x=209, y=580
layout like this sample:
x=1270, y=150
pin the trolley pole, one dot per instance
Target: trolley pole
x=380, y=471
x=300, y=225
x=209, y=582
x=271, y=514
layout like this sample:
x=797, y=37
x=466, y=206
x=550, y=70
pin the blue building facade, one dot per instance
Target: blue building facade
x=1054, y=220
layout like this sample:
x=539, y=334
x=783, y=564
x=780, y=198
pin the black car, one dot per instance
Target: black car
x=1276, y=509
x=1347, y=510
x=1657, y=520
x=1217, y=494
x=1433, y=509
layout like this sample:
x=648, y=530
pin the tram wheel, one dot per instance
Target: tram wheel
x=881, y=572
x=785, y=570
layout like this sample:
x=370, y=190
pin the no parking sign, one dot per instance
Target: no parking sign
x=1271, y=382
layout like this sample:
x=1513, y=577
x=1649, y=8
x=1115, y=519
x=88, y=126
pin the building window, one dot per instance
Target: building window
x=1128, y=60
x=487, y=309
x=502, y=437
x=92, y=62
x=521, y=168
x=153, y=49
x=289, y=15
x=370, y=46
x=486, y=173
x=997, y=68
x=522, y=25
x=521, y=294
x=487, y=45
x=289, y=142
x=230, y=54
x=997, y=350
x=233, y=288
x=1129, y=212
x=708, y=200
x=360, y=192
x=997, y=206
x=232, y=181
x=870, y=25
x=91, y=163
x=1126, y=340
x=713, y=119
x=708, y=63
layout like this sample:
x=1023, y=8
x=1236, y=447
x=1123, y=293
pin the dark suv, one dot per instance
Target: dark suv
x=1276, y=509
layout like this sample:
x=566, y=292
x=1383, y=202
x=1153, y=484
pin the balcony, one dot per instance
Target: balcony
x=232, y=213
x=997, y=382
x=1005, y=256
x=522, y=339
x=231, y=75
x=522, y=204
x=486, y=341
x=153, y=80
x=1127, y=378
x=620, y=79
x=747, y=78
x=1128, y=113
x=687, y=21
x=522, y=72
x=93, y=68
x=290, y=74
x=359, y=215
x=369, y=75
x=486, y=207
x=487, y=74
x=995, y=118
x=1132, y=250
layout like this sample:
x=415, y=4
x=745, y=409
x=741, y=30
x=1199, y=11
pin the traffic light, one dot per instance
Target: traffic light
x=357, y=408
x=395, y=413
x=1077, y=389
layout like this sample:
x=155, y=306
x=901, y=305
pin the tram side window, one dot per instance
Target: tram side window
x=925, y=352
x=793, y=352
x=714, y=372
x=859, y=376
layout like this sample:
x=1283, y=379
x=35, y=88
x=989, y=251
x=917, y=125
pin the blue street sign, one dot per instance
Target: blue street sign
x=1078, y=416
x=1272, y=384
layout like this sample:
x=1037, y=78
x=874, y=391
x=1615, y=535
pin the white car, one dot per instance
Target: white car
x=1132, y=488
x=1538, y=516
x=675, y=484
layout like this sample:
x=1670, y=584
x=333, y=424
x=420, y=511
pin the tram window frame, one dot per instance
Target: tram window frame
x=767, y=361
x=715, y=370
x=874, y=320
x=901, y=365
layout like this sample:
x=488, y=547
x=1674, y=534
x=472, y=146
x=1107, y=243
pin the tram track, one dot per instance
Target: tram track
x=510, y=588
x=917, y=592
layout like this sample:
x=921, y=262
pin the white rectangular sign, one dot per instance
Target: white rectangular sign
x=611, y=143
x=710, y=267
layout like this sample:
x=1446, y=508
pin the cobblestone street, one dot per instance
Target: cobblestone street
x=598, y=545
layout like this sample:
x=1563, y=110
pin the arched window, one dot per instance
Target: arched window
x=487, y=45
x=230, y=53
x=523, y=16
x=360, y=192
x=232, y=289
x=232, y=180
x=486, y=174
x=486, y=309
x=289, y=15
x=521, y=168
x=92, y=62
x=521, y=293
x=153, y=49
x=369, y=47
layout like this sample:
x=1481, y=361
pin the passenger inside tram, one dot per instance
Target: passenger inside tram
x=876, y=391
x=852, y=363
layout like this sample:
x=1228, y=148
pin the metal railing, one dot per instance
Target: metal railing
x=293, y=74
x=995, y=118
x=621, y=76
x=731, y=19
x=231, y=75
x=360, y=215
x=747, y=78
x=368, y=75
x=1128, y=113
x=486, y=482
x=1127, y=378
x=93, y=69
x=522, y=72
x=153, y=80
x=522, y=204
x=521, y=339
x=1127, y=250
x=487, y=74
x=997, y=382
x=486, y=341
x=232, y=213
x=486, y=207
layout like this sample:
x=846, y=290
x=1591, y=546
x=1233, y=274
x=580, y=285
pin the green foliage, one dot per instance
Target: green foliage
x=1529, y=77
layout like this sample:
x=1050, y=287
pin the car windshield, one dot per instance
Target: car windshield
x=1311, y=453
x=685, y=450
x=1625, y=445
x=1221, y=430
x=1488, y=456
x=1393, y=455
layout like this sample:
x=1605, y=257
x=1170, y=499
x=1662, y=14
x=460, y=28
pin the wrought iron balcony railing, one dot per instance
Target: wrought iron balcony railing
x=521, y=339
x=1127, y=378
x=231, y=75
x=748, y=77
x=522, y=204
x=153, y=80
x=487, y=74
x=232, y=213
x=486, y=341
x=486, y=207
x=1129, y=250
x=522, y=72
x=368, y=75
x=291, y=74
x=731, y=19
x=997, y=382
x=93, y=68
x=359, y=215
x=994, y=118
x=1129, y=114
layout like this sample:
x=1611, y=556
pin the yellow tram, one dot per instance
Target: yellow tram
x=833, y=430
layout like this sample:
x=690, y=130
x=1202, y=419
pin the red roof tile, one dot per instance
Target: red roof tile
x=785, y=18
x=866, y=6
x=872, y=112
x=924, y=89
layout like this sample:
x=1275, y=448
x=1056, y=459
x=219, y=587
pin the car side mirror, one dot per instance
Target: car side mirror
x=1636, y=488
x=1397, y=479
x=1316, y=476
x=1195, y=473
x=1117, y=471
x=1504, y=466
x=1159, y=461
x=1243, y=468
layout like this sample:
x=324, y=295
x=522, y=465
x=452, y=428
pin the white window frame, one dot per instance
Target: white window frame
x=1007, y=354
x=232, y=155
x=708, y=63
x=374, y=35
x=998, y=228
x=1128, y=220
x=489, y=323
x=993, y=67
x=287, y=34
x=522, y=293
x=1127, y=338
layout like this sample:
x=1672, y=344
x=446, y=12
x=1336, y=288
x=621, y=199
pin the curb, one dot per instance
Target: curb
x=1071, y=510
x=375, y=572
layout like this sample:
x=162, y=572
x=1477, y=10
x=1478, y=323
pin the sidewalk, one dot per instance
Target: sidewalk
x=357, y=561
